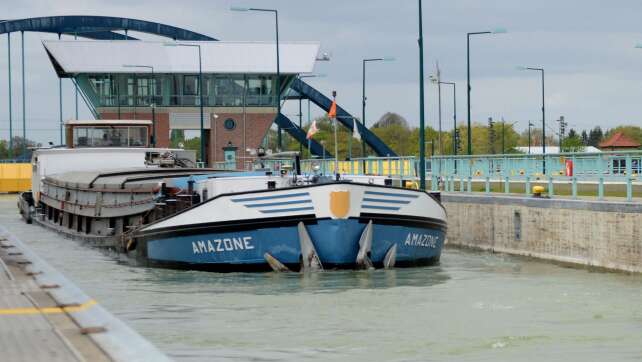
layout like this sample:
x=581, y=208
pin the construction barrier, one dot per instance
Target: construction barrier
x=15, y=177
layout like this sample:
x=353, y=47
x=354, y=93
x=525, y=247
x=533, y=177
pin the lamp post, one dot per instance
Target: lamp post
x=278, y=66
x=200, y=92
x=436, y=80
x=363, y=94
x=153, y=104
x=422, y=136
x=496, y=31
x=541, y=70
x=530, y=126
x=504, y=134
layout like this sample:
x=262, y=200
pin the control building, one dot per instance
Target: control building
x=133, y=79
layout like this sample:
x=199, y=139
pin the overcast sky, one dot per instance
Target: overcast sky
x=593, y=71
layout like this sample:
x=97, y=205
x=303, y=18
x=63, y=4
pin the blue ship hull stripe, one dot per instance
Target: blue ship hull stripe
x=271, y=197
x=386, y=201
x=307, y=208
x=391, y=194
x=366, y=206
x=308, y=201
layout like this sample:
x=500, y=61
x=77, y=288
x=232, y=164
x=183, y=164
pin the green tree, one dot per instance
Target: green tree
x=572, y=143
x=595, y=136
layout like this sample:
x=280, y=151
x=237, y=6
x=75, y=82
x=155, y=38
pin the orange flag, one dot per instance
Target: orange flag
x=333, y=110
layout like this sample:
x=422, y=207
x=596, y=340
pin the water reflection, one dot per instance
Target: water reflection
x=179, y=281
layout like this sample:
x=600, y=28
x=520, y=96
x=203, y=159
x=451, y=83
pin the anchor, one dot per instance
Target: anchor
x=276, y=265
x=310, y=258
x=390, y=258
x=365, y=246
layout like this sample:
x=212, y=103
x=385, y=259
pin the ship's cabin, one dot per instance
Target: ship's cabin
x=108, y=133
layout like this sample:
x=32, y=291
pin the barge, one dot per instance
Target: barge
x=154, y=205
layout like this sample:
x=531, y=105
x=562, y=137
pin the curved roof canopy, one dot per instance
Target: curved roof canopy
x=97, y=27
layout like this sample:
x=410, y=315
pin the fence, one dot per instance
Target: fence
x=575, y=174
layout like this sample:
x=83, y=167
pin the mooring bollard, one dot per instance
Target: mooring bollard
x=538, y=191
x=629, y=189
x=574, y=187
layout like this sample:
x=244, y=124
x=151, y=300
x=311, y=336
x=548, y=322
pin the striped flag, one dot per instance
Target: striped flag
x=355, y=130
x=313, y=129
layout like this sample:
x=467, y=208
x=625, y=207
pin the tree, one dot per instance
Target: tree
x=595, y=136
x=390, y=119
x=572, y=143
x=585, y=138
x=21, y=148
x=572, y=134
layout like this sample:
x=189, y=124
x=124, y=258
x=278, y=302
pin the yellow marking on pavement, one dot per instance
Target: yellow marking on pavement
x=48, y=310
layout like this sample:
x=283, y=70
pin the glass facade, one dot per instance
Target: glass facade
x=176, y=90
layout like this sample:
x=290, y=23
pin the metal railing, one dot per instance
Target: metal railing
x=598, y=175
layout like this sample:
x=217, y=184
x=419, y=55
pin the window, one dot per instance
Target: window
x=190, y=85
x=229, y=124
x=133, y=136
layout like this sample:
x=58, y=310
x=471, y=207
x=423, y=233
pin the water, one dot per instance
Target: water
x=472, y=307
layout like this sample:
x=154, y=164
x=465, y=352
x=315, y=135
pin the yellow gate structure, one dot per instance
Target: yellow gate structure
x=15, y=177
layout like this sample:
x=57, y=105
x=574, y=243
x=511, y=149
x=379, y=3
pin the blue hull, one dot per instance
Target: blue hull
x=336, y=242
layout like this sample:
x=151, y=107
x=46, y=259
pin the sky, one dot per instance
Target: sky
x=587, y=47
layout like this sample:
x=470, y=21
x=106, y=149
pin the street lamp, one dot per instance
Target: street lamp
x=200, y=92
x=153, y=104
x=530, y=126
x=504, y=134
x=363, y=94
x=422, y=136
x=439, y=82
x=278, y=66
x=541, y=70
x=496, y=31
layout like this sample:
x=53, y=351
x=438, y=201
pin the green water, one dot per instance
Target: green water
x=472, y=307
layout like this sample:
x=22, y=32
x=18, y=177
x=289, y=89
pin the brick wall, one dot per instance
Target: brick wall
x=256, y=127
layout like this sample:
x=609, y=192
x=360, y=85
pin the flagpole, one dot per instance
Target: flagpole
x=350, y=140
x=336, y=152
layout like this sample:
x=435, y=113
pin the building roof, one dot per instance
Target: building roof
x=108, y=56
x=537, y=150
x=619, y=140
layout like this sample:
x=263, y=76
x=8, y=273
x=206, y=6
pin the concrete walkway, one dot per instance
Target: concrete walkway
x=44, y=317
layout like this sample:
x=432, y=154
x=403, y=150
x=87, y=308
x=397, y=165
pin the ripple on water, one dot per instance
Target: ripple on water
x=474, y=306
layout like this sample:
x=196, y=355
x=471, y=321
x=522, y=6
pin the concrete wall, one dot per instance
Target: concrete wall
x=596, y=233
